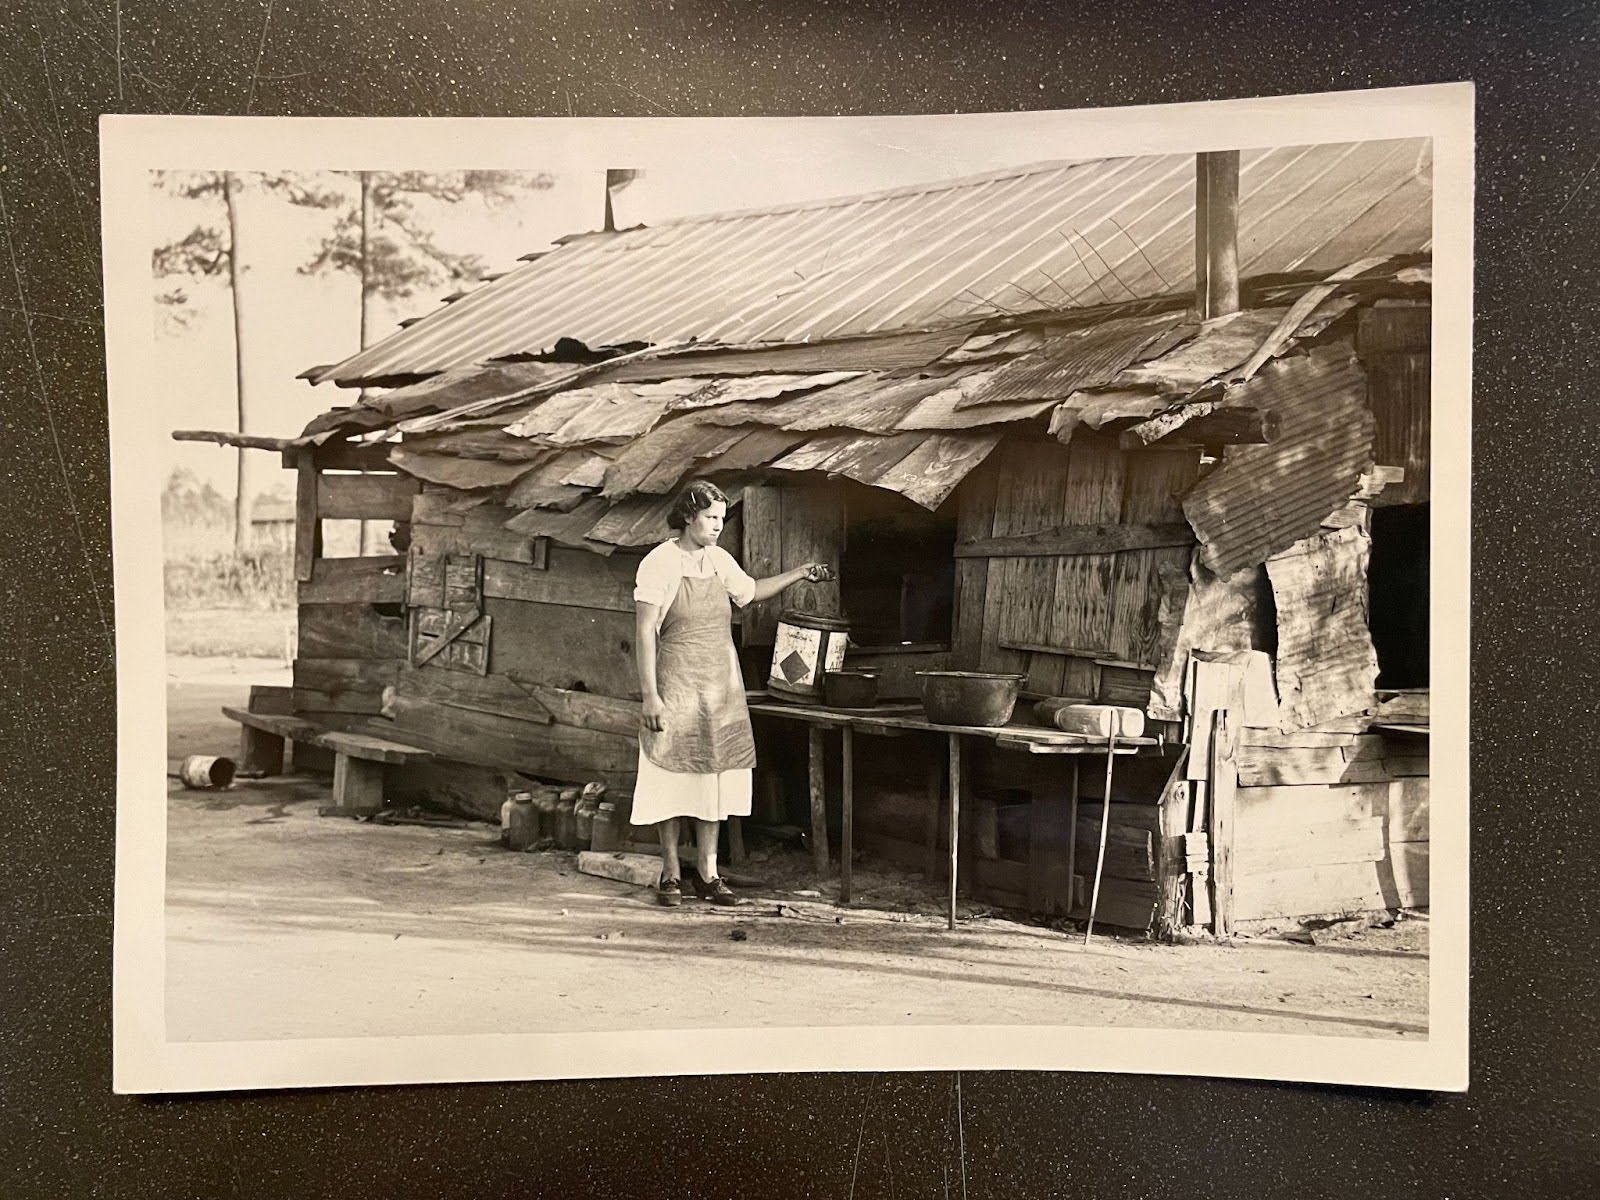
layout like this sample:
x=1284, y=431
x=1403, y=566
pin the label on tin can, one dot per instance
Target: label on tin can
x=801, y=656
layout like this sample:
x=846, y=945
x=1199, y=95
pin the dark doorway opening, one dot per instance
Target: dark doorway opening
x=897, y=574
x=1397, y=595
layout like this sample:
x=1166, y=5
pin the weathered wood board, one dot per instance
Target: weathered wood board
x=372, y=580
x=1398, y=881
x=564, y=646
x=350, y=631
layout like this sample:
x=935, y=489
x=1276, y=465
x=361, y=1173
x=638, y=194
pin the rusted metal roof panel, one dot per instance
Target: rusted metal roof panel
x=1051, y=237
x=1326, y=664
x=655, y=462
x=1219, y=346
x=1262, y=499
x=883, y=352
x=452, y=471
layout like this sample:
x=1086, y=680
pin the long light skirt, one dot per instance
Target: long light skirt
x=708, y=796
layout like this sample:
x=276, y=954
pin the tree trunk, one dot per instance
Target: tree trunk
x=241, y=501
x=364, y=544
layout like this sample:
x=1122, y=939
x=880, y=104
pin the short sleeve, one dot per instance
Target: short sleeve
x=657, y=580
x=741, y=587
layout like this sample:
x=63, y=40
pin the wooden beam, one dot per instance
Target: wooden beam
x=1224, y=788
x=1079, y=539
x=1216, y=233
x=1204, y=424
x=307, y=528
x=244, y=441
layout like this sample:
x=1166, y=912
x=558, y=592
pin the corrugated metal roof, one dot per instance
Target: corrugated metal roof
x=1263, y=499
x=1073, y=359
x=1047, y=237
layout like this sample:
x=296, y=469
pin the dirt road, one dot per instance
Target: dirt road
x=283, y=924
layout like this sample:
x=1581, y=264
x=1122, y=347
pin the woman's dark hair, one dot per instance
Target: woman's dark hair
x=697, y=496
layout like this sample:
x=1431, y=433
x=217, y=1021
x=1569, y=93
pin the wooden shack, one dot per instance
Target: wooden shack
x=1028, y=450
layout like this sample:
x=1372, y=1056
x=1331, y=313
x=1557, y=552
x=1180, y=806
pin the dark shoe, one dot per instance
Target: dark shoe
x=668, y=893
x=716, y=891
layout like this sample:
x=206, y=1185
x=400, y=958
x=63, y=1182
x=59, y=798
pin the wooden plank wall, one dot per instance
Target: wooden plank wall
x=1024, y=613
x=784, y=526
x=1328, y=824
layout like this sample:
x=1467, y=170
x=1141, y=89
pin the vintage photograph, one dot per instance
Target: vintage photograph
x=935, y=595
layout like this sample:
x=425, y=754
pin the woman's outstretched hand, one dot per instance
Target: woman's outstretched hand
x=818, y=572
x=654, y=709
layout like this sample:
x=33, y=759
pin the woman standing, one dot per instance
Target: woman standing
x=696, y=750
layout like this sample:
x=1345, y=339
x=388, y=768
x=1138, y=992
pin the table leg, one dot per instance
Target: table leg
x=1072, y=841
x=847, y=832
x=955, y=818
x=1105, y=824
x=819, y=812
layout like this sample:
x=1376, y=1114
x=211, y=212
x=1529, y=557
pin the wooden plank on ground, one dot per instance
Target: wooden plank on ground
x=372, y=580
x=366, y=497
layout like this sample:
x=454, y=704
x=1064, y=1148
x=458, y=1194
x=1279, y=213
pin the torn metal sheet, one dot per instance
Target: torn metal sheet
x=467, y=474
x=1326, y=665
x=730, y=390
x=484, y=442
x=655, y=462
x=607, y=412
x=527, y=493
x=636, y=521
x=755, y=448
x=1048, y=237
x=1299, y=312
x=1220, y=345
x=923, y=467
x=1071, y=360
x=565, y=528
x=1262, y=499
x=465, y=384
x=590, y=470
x=953, y=408
x=1095, y=409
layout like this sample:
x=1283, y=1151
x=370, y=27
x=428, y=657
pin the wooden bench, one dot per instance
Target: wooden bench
x=358, y=762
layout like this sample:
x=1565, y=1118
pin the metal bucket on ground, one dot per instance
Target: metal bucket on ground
x=808, y=646
x=206, y=772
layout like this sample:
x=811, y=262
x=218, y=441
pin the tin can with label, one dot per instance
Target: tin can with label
x=807, y=648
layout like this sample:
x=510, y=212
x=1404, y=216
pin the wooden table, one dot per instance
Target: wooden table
x=1026, y=739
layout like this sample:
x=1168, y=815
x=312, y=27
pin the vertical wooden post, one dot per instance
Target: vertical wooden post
x=1105, y=826
x=1224, y=787
x=847, y=833
x=307, y=528
x=1216, y=233
x=1171, y=858
x=955, y=818
x=819, y=811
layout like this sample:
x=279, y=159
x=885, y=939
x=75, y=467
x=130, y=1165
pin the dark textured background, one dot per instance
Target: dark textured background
x=1528, y=1126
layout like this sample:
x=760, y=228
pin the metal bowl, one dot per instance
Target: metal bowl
x=851, y=689
x=969, y=697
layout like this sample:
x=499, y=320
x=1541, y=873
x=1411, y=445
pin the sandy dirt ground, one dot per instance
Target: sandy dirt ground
x=284, y=924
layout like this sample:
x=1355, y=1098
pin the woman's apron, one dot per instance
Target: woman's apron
x=705, y=729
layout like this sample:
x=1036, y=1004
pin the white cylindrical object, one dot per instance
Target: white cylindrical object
x=1092, y=720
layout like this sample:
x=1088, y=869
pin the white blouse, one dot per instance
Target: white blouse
x=669, y=564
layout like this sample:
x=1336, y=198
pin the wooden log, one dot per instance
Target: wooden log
x=1078, y=539
x=816, y=783
x=307, y=528
x=366, y=497
x=371, y=580
x=349, y=631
